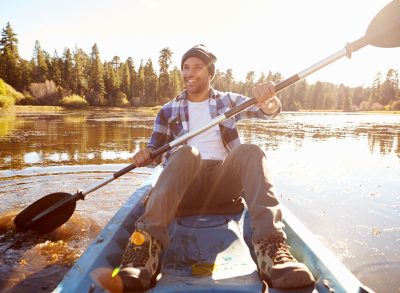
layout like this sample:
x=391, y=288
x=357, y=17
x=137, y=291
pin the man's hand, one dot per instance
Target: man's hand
x=264, y=93
x=142, y=157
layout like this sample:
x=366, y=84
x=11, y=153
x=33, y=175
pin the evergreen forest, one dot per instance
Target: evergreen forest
x=78, y=78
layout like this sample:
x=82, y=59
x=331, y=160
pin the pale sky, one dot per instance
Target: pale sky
x=283, y=36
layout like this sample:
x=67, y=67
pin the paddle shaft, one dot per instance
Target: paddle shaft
x=351, y=47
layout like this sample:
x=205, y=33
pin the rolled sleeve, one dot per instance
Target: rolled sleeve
x=160, y=131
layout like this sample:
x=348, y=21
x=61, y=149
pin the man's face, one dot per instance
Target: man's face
x=195, y=75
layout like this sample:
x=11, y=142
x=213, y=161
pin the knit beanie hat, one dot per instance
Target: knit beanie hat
x=200, y=51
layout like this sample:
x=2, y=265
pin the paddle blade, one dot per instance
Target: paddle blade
x=384, y=29
x=50, y=221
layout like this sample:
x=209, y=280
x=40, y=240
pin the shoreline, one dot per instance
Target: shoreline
x=155, y=109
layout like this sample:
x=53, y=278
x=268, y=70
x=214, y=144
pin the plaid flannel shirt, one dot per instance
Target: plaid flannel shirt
x=172, y=120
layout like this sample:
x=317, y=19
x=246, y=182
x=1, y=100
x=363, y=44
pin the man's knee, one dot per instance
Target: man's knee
x=248, y=151
x=187, y=155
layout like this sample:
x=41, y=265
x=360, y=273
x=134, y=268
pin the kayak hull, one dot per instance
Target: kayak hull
x=207, y=253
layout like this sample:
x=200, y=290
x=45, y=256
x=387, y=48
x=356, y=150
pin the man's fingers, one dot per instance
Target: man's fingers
x=264, y=91
x=142, y=158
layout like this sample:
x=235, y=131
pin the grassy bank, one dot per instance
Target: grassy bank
x=152, y=110
x=29, y=108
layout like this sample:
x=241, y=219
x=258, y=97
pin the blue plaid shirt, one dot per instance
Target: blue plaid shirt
x=172, y=120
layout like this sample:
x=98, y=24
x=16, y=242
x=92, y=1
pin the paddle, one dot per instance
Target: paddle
x=55, y=209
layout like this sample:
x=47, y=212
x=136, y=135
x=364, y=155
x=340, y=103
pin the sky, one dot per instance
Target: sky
x=285, y=36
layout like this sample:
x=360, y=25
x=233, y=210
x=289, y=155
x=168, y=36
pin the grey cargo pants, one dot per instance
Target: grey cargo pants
x=190, y=185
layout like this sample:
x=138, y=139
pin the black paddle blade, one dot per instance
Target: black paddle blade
x=384, y=29
x=50, y=221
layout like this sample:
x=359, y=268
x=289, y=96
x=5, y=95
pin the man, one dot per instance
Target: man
x=211, y=173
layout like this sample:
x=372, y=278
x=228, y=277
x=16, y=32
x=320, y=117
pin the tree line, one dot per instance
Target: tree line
x=46, y=79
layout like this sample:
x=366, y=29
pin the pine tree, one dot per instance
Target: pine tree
x=218, y=80
x=347, y=104
x=389, y=87
x=342, y=92
x=228, y=81
x=26, y=73
x=55, y=68
x=67, y=72
x=301, y=92
x=376, y=89
x=163, y=80
x=41, y=71
x=96, y=79
x=133, y=79
x=111, y=82
x=79, y=80
x=288, y=102
x=316, y=96
x=358, y=95
x=9, y=40
x=126, y=80
x=150, y=83
x=10, y=70
x=262, y=78
x=176, y=82
x=140, y=83
x=248, y=84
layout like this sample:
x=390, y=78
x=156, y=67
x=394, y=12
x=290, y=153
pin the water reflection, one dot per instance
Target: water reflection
x=71, y=138
x=381, y=131
x=95, y=137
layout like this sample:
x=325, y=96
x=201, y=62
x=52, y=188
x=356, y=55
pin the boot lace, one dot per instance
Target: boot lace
x=277, y=250
x=138, y=255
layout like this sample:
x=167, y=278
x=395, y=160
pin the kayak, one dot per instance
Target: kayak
x=207, y=253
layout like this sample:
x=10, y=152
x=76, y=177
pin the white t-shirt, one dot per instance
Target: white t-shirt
x=209, y=143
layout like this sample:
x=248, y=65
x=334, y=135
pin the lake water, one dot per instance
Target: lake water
x=338, y=172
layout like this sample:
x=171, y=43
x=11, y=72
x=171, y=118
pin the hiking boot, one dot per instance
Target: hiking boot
x=140, y=263
x=278, y=266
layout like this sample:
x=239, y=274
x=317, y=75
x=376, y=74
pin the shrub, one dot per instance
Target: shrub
x=28, y=100
x=377, y=107
x=121, y=100
x=11, y=92
x=46, y=92
x=6, y=101
x=3, y=90
x=395, y=106
x=364, y=106
x=95, y=98
x=135, y=102
x=74, y=101
x=9, y=95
